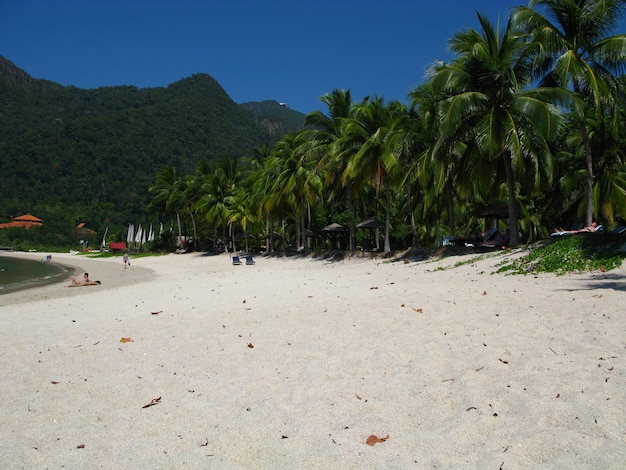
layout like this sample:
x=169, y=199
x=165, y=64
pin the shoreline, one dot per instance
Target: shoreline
x=105, y=269
x=295, y=362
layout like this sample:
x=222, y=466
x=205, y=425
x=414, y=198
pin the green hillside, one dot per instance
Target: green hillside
x=72, y=155
x=276, y=117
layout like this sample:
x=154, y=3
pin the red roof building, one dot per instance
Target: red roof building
x=24, y=221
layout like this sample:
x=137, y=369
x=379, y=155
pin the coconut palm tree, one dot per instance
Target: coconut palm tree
x=371, y=139
x=609, y=167
x=576, y=52
x=489, y=108
x=165, y=193
x=327, y=130
x=297, y=181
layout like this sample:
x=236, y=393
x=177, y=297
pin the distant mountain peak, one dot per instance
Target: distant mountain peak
x=12, y=75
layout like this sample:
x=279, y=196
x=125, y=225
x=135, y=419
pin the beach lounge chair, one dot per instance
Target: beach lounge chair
x=249, y=259
x=236, y=260
x=620, y=229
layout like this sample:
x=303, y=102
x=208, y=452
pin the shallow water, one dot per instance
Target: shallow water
x=18, y=274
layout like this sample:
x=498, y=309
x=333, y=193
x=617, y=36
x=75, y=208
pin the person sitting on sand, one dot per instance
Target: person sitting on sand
x=85, y=282
x=81, y=284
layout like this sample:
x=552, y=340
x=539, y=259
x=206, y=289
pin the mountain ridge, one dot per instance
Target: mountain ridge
x=70, y=154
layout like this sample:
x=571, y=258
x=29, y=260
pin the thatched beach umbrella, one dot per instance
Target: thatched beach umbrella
x=496, y=210
x=370, y=223
x=335, y=227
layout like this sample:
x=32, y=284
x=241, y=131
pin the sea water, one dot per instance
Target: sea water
x=17, y=274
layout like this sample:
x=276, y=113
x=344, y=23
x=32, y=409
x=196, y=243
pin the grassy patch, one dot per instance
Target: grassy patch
x=579, y=253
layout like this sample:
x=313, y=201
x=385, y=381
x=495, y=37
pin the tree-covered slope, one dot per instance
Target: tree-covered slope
x=92, y=154
x=276, y=117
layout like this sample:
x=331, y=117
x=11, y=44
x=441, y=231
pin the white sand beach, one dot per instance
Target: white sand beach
x=295, y=362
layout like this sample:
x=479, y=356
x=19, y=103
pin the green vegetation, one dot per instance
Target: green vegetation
x=530, y=114
x=581, y=253
x=70, y=155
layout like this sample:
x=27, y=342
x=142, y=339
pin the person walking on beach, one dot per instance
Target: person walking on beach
x=126, y=260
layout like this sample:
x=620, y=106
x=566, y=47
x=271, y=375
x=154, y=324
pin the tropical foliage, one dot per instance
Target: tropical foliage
x=500, y=122
x=528, y=113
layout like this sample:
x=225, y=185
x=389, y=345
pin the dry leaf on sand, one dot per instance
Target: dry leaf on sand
x=155, y=401
x=126, y=340
x=373, y=439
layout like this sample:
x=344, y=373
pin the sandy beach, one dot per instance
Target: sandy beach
x=187, y=361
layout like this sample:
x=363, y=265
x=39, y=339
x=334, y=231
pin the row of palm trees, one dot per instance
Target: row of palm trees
x=528, y=114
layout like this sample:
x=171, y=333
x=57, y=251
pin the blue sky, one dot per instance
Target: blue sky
x=290, y=51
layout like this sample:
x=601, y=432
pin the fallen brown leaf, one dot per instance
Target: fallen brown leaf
x=80, y=446
x=250, y=345
x=155, y=401
x=126, y=340
x=373, y=439
x=373, y=288
x=156, y=313
x=597, y=296
x=503, y=361
x=484, y=292
x=418, y=310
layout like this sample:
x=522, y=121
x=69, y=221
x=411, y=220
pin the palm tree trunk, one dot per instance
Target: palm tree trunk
x=411, y=215
x=589, y=167
x=451, y=217
x=351, y=223
x=510, y=184
x=232, y=236
x=387, y=217
x=588, y=163
x=303, y=222
x=195, y=235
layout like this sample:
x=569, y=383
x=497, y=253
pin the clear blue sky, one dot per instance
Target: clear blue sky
x=290, y=51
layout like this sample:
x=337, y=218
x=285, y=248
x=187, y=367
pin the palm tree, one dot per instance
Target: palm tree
x=327, y=130
x=297, y=180
x=163, y=189
x=576, y=53
x=165, y=193
x=371, y=140
x=609, y=185
x=489, y=109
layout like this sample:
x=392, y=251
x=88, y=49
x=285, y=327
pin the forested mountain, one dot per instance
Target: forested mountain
x=73, y=155
x=276, y=117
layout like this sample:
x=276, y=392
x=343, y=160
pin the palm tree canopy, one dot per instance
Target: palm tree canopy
x=574, y=49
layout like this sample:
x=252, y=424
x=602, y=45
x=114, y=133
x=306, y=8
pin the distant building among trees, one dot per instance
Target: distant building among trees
x=25, y=221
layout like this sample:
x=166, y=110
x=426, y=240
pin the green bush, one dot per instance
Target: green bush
x=579, y=253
